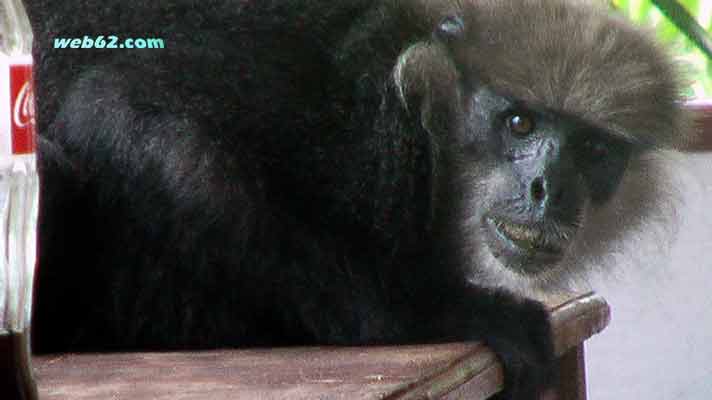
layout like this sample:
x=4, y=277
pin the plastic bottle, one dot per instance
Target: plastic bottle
x=19, y=186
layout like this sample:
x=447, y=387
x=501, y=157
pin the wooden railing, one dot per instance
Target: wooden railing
x=448, y=371
x=702, y=141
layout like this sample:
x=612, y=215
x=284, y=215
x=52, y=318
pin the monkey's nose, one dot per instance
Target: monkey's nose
x=545, y=193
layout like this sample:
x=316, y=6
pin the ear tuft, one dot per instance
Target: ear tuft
x=450, y=28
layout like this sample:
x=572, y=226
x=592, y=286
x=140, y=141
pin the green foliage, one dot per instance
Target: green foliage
x=694, y=61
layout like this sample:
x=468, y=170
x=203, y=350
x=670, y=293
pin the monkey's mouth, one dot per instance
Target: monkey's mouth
x=527, y=245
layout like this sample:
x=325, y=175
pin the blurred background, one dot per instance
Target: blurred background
x=659, y=343
x=696, y=63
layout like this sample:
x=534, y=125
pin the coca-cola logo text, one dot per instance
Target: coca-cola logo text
x=23, y=112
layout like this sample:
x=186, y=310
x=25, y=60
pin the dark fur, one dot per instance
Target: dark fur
x=282, y=174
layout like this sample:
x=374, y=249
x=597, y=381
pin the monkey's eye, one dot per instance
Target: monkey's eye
x=520, y=124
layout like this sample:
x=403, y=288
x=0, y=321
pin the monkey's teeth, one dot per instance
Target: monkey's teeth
x=528, y=237
x=521, y=232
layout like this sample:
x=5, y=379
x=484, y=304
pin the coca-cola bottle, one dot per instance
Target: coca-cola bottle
x=18, y=201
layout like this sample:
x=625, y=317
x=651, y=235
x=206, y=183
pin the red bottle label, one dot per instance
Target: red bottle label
x=22, y=109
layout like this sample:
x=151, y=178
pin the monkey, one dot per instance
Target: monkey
x=344, y=173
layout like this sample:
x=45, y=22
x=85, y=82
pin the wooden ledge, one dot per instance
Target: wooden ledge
x=397, y=372
x=702, y=142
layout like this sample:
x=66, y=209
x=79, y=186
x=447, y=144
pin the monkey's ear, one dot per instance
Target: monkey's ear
x=450, y=29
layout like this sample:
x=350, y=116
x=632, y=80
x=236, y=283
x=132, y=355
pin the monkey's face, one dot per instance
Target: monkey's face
x=530, y=178
x=541, y=115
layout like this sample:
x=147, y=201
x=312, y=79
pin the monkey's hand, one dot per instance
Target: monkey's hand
x=522, y=338
x=520, y=333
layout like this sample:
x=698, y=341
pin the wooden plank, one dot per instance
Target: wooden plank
x=477, y=374
x=577, y=319
x=572, y=376
x=289, y=373
x=702, y=141
x=452, y=371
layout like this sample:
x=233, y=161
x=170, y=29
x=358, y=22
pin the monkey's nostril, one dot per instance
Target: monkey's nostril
x=538, y=192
